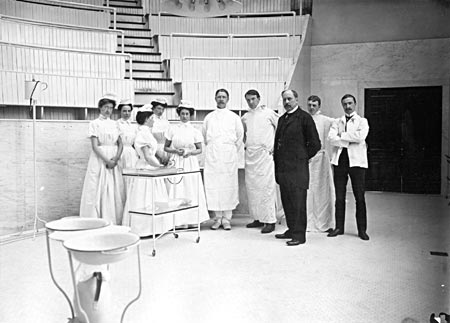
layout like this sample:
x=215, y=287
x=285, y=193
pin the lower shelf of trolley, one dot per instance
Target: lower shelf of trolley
x=161, y=210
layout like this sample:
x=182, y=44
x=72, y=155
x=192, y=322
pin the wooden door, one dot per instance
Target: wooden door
x=404, y=142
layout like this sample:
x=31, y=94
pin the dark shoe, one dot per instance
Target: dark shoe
x=268, y=227
x=363, y=236
x=335, y=233
x=283, y=236
x=255, y=224
x=294, y=242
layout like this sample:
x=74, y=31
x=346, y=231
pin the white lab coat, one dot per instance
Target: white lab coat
x=223, y=133
x=260, y=125
x=321, y=188
x=354, y=139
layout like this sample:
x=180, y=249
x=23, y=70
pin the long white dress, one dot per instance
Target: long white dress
x=140, y=191
x=184, y=136
x=321, y=188
x=223, y=133
x=103, y=190
x=128, y=132
x=260, y=125
x=159, y=130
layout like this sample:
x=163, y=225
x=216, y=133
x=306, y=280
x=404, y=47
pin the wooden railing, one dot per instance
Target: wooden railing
x=33, y=32
x=202, y=76
x=62, y=90
x=262, y=45
x=260, y=6
x=60, y=12
x=239, y=23
x=59, y=61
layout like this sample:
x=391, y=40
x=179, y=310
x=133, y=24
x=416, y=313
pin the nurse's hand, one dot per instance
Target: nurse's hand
x=110, y=164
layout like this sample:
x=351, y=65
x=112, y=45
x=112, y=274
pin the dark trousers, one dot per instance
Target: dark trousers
x=294, y=205
x=357, y=176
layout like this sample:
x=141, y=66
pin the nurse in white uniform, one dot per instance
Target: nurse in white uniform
x=140, y=189
x=103, y=190
x=184, y=142
x=128, y=132
x=160, y=126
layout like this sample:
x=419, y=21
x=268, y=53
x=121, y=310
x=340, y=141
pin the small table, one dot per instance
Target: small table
x=172, y=206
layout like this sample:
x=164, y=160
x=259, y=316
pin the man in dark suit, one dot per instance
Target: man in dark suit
x=296, y=141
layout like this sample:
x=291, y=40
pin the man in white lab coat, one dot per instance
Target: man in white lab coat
x=321, y=189
x=260, y=124
x=349, y=158
x=223, y=134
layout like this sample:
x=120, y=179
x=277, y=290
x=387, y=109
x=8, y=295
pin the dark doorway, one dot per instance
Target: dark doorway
x=404, y=142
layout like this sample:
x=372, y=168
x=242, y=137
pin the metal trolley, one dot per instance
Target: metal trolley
x=171, y=207
x=71, y=231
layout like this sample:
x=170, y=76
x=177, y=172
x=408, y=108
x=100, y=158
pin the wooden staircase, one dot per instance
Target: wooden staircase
x=149, y=77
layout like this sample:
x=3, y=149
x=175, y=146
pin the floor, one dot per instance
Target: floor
x=244, y=276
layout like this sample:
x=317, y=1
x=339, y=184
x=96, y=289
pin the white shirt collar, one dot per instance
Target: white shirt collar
x=258, y=108
x=293, y=110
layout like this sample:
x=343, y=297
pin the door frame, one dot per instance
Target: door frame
x=445, y=127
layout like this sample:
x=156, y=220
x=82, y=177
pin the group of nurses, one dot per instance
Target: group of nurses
x=151, y=144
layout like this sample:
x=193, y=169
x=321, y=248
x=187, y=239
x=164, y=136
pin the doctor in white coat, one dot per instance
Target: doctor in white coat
x=349, y=157
x=260, y=124
x=223, y=133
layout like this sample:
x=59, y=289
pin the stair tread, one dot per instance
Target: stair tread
x=119, y=6
x=136, y=37
x=128, y=22
x=153, y=92
x=142, y=70
x=150, y=62
x=139, y=46
x=134, y=29
x=129, y=14
x=139, y=78
x=139, y=53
